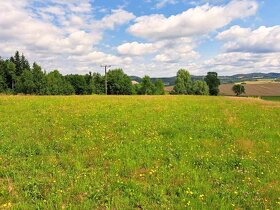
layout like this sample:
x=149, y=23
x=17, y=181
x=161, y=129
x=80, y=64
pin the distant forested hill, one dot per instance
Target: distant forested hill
x=169, y=81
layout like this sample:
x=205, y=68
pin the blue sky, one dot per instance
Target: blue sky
x=149, y=37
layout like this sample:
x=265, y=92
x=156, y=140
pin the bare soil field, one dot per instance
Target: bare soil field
x=264, y=89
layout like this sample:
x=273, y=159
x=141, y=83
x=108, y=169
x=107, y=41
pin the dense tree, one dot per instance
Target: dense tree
x=90, y=84
x=98, y=83
x=58, y=85
x=79, y=83
x=159, y=87
x=2, y=84
x=137, y=89
x=183, y=83
x=238, y=89
x=25, y=83
x=10, y=74
x=213, y=83
x=39, y=80
x=16, y=76
x=200, y=88
x=24, y=64
x=147, y=87
x=119, y=83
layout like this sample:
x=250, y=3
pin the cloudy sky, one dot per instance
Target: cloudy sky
x=154, y=37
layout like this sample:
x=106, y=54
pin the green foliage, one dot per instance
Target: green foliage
x=213, y=83
x=147, y=87
x=119, y=83
x=90, y=84
x=183, y=83
x=137, y=89
x=25, y=82
x=2, y=84
x=98, y=83
x=40, y=80
x=79, y=83
x=21, y=63
x=271, y=98
x=10, y=74
x=200, y=88
x=238, y=89
x=159, y=87
x=58, y=85
x=132, y=152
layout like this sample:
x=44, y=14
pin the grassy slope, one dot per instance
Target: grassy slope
x=139, y=152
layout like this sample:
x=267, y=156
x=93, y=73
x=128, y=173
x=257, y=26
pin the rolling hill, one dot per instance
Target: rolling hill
x=170, y=81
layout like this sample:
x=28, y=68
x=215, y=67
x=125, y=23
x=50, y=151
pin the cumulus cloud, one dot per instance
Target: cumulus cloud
x=168, y=51
x=261, y=40
x=137, y=49
x=196, y=21
x=58, y=30
x=66, y=35
x=241, y=62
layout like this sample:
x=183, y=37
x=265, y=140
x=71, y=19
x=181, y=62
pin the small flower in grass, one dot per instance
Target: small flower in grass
x=7, y=205
x=189, y=192
x=201, y=197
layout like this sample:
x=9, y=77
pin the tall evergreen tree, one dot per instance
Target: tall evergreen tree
x=24, y=64
x=17, y=61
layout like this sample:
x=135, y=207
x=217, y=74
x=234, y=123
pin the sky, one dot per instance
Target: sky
x=148, y=37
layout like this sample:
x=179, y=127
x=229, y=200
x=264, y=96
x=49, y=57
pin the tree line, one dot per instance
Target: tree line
x=18, y=77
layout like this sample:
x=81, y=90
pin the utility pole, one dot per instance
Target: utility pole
x=106, y=68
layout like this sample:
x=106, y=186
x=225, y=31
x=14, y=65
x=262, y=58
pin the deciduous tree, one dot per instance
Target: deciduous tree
x=213, y=83
x=238, y=89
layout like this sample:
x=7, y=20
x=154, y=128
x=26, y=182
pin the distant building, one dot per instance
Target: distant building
x=134, y=82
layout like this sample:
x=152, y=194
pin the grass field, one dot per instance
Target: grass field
x=137, y=152
x=272, y=98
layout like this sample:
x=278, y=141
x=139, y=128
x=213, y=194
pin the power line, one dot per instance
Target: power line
x=106, y=68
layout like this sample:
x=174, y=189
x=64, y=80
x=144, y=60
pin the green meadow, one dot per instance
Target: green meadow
x=139, y=152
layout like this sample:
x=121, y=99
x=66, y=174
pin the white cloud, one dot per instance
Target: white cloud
x=196, y=21
x=137, y=49
x=263, y=39
x=118, y=17
x=240, y=62
x=60, y=32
